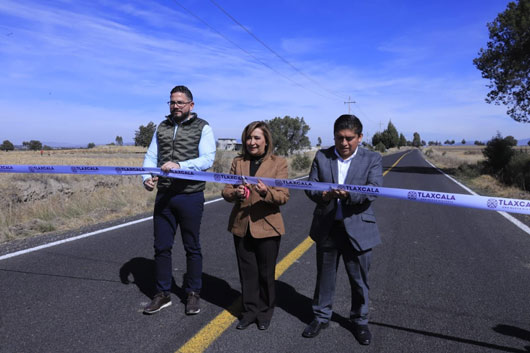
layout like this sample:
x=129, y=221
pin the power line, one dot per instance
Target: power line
x=273, y=51
x=245, y=51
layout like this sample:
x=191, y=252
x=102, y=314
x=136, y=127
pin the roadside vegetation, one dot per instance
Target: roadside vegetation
x=498, y=168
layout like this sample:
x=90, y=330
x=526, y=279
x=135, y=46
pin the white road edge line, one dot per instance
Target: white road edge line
x=44, y=246
x=509, y=217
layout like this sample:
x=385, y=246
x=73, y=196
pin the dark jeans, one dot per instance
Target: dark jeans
x=256, y=259
x=171, y=211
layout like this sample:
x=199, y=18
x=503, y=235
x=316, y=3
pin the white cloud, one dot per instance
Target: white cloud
x=91, y=73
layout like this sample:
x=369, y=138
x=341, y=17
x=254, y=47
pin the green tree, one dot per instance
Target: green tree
x=390, y=136
x=416, y=140
x=319, y=142
x=402, y=141
x=7, y=146
x=289, y=134
x=528, y=143
x=376, y=139
x=463, y=141
x=301, y=162
x=91, y=145
x=119, y=140
x=33, y=145
x=506, y=61
x=511, y=140
x=498, y=153
x=518, y=170
x=144, y=134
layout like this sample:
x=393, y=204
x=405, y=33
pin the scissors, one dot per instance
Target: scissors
x=247, y=191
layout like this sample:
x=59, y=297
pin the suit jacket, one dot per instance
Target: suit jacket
x=359, y=219
x=261, y=214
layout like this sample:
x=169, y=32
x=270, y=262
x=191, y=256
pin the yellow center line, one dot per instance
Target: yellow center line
x=393, y=165
x=221, y=322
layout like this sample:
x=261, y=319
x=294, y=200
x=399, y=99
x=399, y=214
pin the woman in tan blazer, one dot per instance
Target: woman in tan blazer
x=256, y=223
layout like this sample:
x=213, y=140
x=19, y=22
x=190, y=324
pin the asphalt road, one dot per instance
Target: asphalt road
x=445, y=279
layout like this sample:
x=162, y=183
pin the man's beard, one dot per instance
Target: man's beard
x=180, y=119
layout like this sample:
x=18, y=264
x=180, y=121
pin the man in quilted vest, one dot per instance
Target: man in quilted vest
x=182, y=140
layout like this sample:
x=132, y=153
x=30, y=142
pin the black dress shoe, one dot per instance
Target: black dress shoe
x=263, y=325
x=314, y=328
x=362, y=334
x=243, y=324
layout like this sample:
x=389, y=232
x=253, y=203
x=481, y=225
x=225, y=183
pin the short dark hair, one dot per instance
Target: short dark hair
x=348, y=121
x=182, y=89
x=269, y=147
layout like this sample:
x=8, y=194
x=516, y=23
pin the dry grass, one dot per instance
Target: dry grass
x=450, y=159
x=33, y=204
x=454, y=156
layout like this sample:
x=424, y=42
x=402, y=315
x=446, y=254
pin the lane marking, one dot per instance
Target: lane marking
x=393, y=165
x=509, y=217
x=44, y=246
x=104, y=230
x=215, y=328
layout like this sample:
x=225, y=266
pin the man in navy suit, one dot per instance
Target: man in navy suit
x=344, y=224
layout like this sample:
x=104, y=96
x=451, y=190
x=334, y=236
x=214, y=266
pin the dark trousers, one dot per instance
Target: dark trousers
x=256, y=260
x=357, y=263
x=171, y=211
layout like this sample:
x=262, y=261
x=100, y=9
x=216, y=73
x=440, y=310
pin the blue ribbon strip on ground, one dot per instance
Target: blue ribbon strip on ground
x=462, y=200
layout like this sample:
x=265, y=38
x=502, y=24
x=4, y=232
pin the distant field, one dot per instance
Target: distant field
x=33, y=204
x=38, y=203
x=453, y=156
x=450, y=158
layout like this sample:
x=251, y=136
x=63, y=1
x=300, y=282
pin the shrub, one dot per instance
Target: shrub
x=469, y=170
x=517, y=172
x=498, y=153
x=301, y=162
x=380, y=147
x=429, y=152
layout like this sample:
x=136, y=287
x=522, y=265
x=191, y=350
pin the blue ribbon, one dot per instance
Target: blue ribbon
x=449, y=199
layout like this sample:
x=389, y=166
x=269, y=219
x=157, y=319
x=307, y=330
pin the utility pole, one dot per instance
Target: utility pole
x=349, y=102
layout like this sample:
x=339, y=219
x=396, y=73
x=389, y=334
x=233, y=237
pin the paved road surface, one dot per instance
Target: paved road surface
x=446, y=279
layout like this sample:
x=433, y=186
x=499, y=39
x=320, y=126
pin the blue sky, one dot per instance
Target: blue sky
x=86, y=71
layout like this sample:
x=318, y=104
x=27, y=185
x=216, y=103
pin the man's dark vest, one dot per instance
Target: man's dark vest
x=184, y=146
